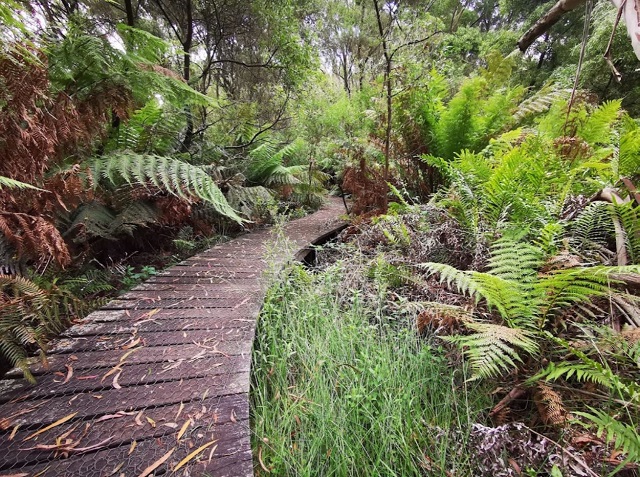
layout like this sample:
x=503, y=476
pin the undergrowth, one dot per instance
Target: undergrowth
x=342, y=389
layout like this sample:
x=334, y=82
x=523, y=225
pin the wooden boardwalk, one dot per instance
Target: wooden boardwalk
x=158, y=375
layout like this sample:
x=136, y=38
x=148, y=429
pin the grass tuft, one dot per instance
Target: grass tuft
x=339, y=392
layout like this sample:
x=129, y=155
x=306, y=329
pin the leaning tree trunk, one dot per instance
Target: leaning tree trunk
x=629, y=9
x=547, y=21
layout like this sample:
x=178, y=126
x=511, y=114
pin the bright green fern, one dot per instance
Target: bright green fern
x=179, y=178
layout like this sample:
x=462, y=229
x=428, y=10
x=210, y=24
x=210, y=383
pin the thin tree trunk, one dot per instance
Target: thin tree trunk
x=131, y=19
x=387, y=82
x=345, y=73
x=186, y=74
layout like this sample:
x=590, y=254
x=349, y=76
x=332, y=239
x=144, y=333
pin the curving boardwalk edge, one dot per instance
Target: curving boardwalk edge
x=158, y=376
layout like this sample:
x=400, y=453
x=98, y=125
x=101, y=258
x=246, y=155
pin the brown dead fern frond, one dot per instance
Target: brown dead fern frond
x=34, y=237
x=550, y=406
x=367, y=186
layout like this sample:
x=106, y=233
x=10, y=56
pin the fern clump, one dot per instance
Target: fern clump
x=524, y=298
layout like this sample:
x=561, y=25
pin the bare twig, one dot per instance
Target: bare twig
x=607, y=52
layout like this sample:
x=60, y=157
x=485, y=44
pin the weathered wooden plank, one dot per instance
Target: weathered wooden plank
x=224, y=417
x=230, y=447
x=98, y=379
x=86, y=405
x=178, y=286
x=139, y=355
x=223, y=324
x=124, y=341
x=178, y=303
x=213, y=293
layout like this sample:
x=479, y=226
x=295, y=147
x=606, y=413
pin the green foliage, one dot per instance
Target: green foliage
x=14, y=184
x=627, y=162
x=176, y=177
x=152, y=129
x=594, y=229
x=524, y=298
x=492, y=349
x=267, y=164
x=97, y=220
x=32, y=311
x=623, y=436
x=478, y=111
x=22, y=325
x=267, y=167
x=131, y=276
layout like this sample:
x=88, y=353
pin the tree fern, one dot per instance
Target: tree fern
x=179, y=178
x=458, y=125
x=153, y=129
x=266, y=166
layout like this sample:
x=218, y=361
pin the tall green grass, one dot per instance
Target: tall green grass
x=339, y=391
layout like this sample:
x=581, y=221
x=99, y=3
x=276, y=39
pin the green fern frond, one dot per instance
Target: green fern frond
x=593, y=228
x=493, y=349
x=14, y=184
x=575, y=286
x=19, y=286
x=540, y=102
x=266, y=166
x=179, y=178
x=587, y=370
x=461, y=279
x=505, y=295
x=623, y=436
x=627, y=162
x=513, y=259
x=598, y=126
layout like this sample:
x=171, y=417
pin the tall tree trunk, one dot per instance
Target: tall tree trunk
x=345, y=73
x=187, y=43
x=387, y=84
x=131, y=19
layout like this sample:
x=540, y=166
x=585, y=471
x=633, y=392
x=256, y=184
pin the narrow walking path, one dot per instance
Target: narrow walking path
x=158, y=375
